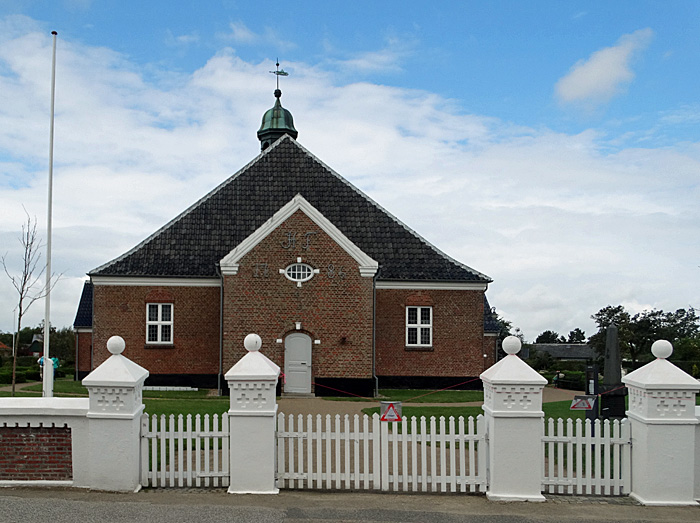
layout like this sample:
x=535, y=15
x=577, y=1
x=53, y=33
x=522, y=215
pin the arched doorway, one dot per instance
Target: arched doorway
x=297, y=363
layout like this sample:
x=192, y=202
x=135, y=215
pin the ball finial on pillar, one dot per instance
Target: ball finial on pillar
x=116, y=345
x=662, y=349
x=252, y=343
x=511, y=345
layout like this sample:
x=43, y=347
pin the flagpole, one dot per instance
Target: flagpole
x=48, y=364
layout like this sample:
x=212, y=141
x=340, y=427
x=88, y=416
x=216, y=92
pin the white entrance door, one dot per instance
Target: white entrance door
x=297, y=363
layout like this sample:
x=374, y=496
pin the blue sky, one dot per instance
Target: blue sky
x=550, y=145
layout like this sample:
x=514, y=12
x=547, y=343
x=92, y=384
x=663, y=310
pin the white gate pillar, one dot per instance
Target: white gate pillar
x=662, y=423
x=252, y=416
x=114, y=415
x=514, y=427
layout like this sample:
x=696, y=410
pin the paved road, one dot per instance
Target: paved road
x=204, y=506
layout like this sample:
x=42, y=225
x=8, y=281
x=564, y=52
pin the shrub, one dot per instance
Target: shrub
x=6, y=377
x=32, y=375
x=26, y=361
x=541, y=360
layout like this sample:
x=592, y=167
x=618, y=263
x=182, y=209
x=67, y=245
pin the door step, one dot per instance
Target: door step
x=300, y=395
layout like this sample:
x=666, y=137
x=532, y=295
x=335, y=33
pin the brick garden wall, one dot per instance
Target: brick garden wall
x=458, y=339
x=335, y=306
x=35, y=453
x=121, y=310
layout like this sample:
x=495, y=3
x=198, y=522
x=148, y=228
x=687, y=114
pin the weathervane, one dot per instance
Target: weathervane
x=279, y=72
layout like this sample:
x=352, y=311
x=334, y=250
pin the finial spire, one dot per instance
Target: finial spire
x=279, y=72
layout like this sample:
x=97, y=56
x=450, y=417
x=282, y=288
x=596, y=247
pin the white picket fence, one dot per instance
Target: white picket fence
x=363, y=453
x=185, y=452
x=586, y=458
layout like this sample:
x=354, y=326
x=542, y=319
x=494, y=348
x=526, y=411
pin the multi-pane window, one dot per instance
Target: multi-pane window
x=419, y=326
x=159, y=323
x=299, y=272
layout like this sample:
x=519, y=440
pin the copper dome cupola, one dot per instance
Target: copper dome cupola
x=277, y=121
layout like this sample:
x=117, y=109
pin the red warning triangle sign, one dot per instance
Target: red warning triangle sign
x=390, y=414
x=582, y=403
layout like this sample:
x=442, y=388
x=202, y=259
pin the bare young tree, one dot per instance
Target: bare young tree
x=27, y=284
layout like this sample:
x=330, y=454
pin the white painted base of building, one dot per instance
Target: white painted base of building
x=501, y=497
x=648, y=503
x=273, y=491
x=37, y=483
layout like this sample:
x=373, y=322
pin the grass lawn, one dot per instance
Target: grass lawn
x=70, y=387
x=18, y=394
x=419, y=396
x=212, y=405
x=61, y=386
x=558, y=409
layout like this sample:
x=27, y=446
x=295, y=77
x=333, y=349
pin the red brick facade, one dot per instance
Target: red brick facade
x=458, y=339
x=83, y=350
x=35, y=453
x=335, y=306
x=121, y=310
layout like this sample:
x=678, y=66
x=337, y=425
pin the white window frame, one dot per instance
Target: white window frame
x=419, y=325
x=160, y=323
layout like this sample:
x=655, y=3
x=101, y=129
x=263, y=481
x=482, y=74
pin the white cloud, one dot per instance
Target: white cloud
x=605, y=73
x=181, y=40
x=562, y=226
x=242, y=34
x=385, y=60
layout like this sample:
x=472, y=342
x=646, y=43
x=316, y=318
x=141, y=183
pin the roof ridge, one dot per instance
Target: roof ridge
x=192, y=207
x=397, y=220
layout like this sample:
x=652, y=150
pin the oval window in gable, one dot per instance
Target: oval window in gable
x=299, y=272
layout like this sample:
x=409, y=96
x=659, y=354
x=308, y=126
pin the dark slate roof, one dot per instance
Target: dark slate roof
x=83, y=318
x=490, y=323
x=192, y=244
x=566, y=351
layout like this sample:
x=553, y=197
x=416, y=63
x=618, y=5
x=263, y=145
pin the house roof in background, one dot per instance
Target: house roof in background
x=83, y=318
x=565, y=351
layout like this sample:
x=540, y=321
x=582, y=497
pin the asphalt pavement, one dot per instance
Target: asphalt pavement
x=21, y=505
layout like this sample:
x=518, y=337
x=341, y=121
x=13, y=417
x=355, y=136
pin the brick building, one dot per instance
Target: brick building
x=343, y=294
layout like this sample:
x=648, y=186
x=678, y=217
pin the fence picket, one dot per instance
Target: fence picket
x=365, y=450
x=433, y=455
x=197, y=451
x=163, y=453
x=145, y=461
x=453, y=454
x=309, y=450
x=346, y=444
x=423, y=454
x=570, y=455
x=414, y=454
x=188, y=442
x=404, y=453
x=472, y=454
x=443, y=456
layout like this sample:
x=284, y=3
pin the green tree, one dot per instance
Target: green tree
x=550, y=337
x=637, y=333
x=576, y=336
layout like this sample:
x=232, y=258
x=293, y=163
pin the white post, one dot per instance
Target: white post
x=47, y=389
x=114, y=418
x=253, y=407
x=514, y=427
x=662, y=423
